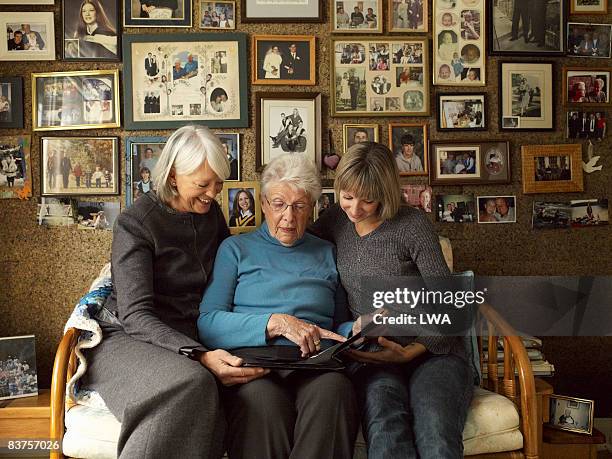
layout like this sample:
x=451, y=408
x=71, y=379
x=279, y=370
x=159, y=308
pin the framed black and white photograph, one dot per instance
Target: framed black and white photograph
x=287, y=122
x=157, y=13
x=348, y=16
x=527, y=28
x=55, y=212
x=91, y=30
x=231, y=144
x=462, y=112
x=408, y=16
x=283, y=59
x=496, y=209
x=141, y=158
x=586, y=86
x=97, y=215
x=589, y=212
x=587, y=125
x=18, y=376
x=326, y=200
x=15, y=167
x=275, y=11
x=589, y=40
x=11, y=102
x=217, y=15
x=358, y=133
x=455, y=208
x=241, y=206
x=551, y=215
x=571, y=414
x=589, y=7
x=79, y=166
x=408, y=142
x=29, y=36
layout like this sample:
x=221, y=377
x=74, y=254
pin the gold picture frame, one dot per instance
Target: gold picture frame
x=571, y=409
x=351, y=130
x=552, y=174
x=241, y=222
x=393, y=19
x=589, y=10
x=290, y=69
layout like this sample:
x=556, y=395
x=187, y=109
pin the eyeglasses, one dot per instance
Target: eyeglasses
x=281, y=206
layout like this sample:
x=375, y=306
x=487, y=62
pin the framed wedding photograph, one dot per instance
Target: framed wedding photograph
x=589, y=40
x=141, y=155
x=15, y=167
x=241, y=206
x=356, y=16
x=469, y=163
x=523, y=28
x=586, y=86
x=151, y=13
x=173, y=79
x=29, y=36
x=231, y=144
x=85, y=99
x=571, y=414
x=91, y=30
x=526, y=96
x=79, y=166
x=408, y=142
x=217, y=15
x=281, y=11
x=385, y=77
x=11, y=102
x=287, y=122
x=358, y=133
x=462, y=112
x=283, y=59
x=459, y=45
x=552, y=168
x=496, y=209
x=588, y=6
x=408, y=16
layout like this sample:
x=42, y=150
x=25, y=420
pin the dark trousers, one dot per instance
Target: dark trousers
x=78, y=180
x=308, y=414
x=537, y=15
x=354, y=95
x=65, y=179
x=520, y=13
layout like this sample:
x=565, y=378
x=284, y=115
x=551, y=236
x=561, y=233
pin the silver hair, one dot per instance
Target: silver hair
x=185, y=151
x=295, y=169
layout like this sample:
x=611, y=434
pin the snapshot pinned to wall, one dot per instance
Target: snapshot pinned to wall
x=11, y=102
x=588, y=7
x=589, y=212
x=408, y=16
x=382, y=77
x=284, y=59
x=496, y=209
x=358, y=133
x=551, y=215
x=589, y=40
x=90, y=29
x=327, y=199
x=157, y=13
x=29, y=36
x=587, y=125
x=218, y=15
x=586, y=86
x=364, y=16
x=79, y=166
x=56, y=212
x=15, y=167
x=455, y=208
x=552, y=168
x=18, y=376
x=462, y=112
x=142, y=154
x=571, y=414
x=420, y=196
x=241, y=206
x=97, y=215
x=408, y=142
x=459, y=57
x=231, y=143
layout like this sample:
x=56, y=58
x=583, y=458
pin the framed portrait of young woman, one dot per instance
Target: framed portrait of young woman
x=91, y=30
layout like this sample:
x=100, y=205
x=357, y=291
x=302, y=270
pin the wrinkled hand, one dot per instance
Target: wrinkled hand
x=306, y=335
x=391, y=353
x=227, y=368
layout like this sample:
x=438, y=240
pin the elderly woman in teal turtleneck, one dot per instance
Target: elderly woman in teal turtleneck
x=279, y=286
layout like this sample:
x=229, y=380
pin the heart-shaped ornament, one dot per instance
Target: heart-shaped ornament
x=331, y=161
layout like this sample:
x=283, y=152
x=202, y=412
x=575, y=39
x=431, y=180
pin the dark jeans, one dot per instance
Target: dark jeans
x=416, y=409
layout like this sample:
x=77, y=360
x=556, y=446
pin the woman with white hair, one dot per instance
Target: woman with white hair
x=150, y=369
x=279, y=286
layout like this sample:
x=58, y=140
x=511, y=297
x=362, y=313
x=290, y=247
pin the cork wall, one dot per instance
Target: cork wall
x=44, y=271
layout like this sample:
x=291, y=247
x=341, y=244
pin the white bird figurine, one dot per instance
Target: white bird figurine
x=590, y=166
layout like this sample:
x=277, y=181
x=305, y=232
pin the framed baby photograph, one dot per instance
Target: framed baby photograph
x=349, y=16
x=29, y=36
x=217, y=15
x=571, y=414
x=157, y=13
x=241, y=206
x=15, y=167
x=358, y=133
x=552, y=168
x=276, y=11
x=283, y=59
x=462, y=112
x=327, y=199
x=231, y=144
x=496, y=209
x=408, y=142
x=586, y=86
x=588, y=6
x=11, y=102
x=141, y=155
x=411, y=16
x=589, y=40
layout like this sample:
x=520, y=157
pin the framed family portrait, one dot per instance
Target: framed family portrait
x=459, y=53
x=588, y=6
x=408, y=16
x=86, y=99
x=157, y=13
x=172, y=79
x=356, y=16
x=15, y=167
x=141, y=155
x=587, y=125
x=524, y=28
x=11, y=102
x=79, y=166
x=586, y=86
x=571, y=414
x=526, y=96
x=231, y=144
x=217, y=15
x=552, y=168
x=242, y=206
x=469, y=163
x=385, y=77
x=287, y=122
x=284, y=59
x=326, y=200
x=29, y=36
x=281, y=11
x=358, y=133
x=589, y=40
x=91, y=30
x=496, y=209
x=462, y=112
x=408, y=142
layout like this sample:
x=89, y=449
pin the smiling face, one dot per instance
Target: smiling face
x=407, y=150
x=196, y=190
x=357, y=209
x=244, y=201
x=502, y=206
x=287, y=226
x=89, y=13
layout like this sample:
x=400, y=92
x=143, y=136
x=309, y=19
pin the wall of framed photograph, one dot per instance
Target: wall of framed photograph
x=172, y=79
x=408, y=17
x=552, y=168
x=283, y=60
x=382, y=77
x=409, y=144
x=140, y=13
x=462, y=112
x=16, y=167
x=11, y=102
x=141, y=155
x=281, y=11
x=29, y=36
x=241, y=206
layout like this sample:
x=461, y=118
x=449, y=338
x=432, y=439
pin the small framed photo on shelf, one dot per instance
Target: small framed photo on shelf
x=587, y=125
x=586, y=86
x=79, y=166
x=496, y=209
x=462, y=112
x=589, y=40
x=588, y=6
x=552, y=168
x=358, y=133
x=408, y=142
x=327, y=199
x=11, y=102
x=469, y=163
x=287, y=122
x=231, y=144
x=455, y=208
x=217, y=15
x=141, y=155
x=408, y=16
x=526, y=96
x=356, y=16
x=241, y=206
x=86, y=99
x=16, y=167
x=284, y=59
x=144, y=13
x=18, y=367
x=571, y=414
x=29, y=36
x=284, y=11
x=91, y=30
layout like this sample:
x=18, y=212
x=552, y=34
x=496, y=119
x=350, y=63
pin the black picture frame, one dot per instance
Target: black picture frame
x=485, y=119
x=14, y=89
x=244, y=14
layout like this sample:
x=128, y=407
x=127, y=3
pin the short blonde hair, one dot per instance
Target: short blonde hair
x=369, y=171
x=186, y=149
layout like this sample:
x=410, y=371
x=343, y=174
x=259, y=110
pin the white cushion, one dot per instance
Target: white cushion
x=91, y=433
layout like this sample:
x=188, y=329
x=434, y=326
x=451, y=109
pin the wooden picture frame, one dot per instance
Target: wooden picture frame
x=140, y=152
x=40, y=28
x=210, y=89
x=403, y=135
x=602, y=8
x=571, y=407
x=552, y=174
x=575, y=78
x=462, y=112
x=16, y=165
x=291, y=57
x=157, y=16
x=578, y=46
x=241, y=223
x=357, y=22
x=310, y=11
x=85, y=99
x=209, y=22
x=11, y=102
x=357, y=133
x=397, y=18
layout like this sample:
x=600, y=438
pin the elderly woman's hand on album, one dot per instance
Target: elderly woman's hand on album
x=228, y=368
x=306, y=335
